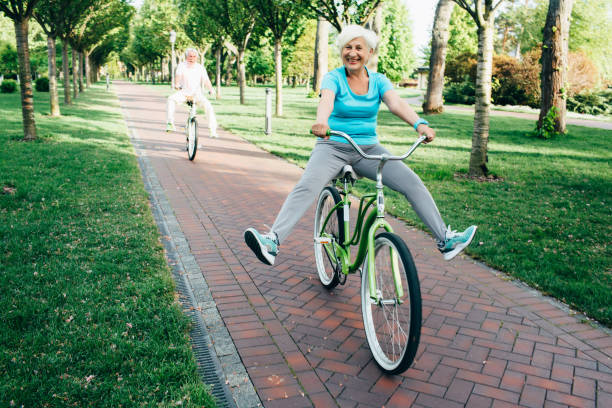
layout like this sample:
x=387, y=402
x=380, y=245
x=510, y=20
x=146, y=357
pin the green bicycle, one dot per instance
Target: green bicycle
x=390, y=291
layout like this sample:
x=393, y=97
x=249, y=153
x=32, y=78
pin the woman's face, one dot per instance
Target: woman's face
x=356, y=54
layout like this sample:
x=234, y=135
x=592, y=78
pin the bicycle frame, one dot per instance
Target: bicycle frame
x=192, y=109
x=366, y=227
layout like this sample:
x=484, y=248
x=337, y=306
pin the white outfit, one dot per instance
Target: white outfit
x=191, y=78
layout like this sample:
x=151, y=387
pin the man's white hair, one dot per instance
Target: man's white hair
x=190, y=50
x=350, y=32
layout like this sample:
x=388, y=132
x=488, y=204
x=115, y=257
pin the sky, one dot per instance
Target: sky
x=422, y=15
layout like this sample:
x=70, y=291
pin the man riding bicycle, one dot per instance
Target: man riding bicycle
x=190, y=77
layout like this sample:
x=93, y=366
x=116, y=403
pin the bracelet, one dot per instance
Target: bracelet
x=420, y=121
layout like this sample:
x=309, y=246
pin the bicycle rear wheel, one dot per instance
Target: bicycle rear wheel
x=192, y=138
x=392, y=324
x=325, y=255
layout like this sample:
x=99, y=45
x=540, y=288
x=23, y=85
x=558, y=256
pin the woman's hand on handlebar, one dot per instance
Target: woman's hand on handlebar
x=429, y=133
x=320, y=130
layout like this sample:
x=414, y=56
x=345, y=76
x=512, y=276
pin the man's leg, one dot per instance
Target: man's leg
x=173, y=99
x=205, y=104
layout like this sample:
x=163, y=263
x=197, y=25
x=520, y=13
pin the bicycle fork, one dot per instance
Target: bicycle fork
x=382, y=223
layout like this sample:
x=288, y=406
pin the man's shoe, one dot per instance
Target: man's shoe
x=265, y=247
x=170, y=127
x=455, y=242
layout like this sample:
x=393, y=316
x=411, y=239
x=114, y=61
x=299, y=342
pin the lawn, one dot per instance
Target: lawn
x=88, y=313
x=545, y=220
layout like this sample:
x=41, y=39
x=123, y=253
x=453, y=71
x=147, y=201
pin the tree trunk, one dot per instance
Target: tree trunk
x=480, y=137
x=87, y=69
x=218, y=71
x=554, y=62
x=435, y=85
x=320, y=53
x=66, y=70
x=241, y=75
x=278, y=68
x=75, y=74
x=81, y=64
x=54, y=109
x=25, y=82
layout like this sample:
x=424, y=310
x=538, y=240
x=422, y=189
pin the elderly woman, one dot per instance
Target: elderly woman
x=350, y=99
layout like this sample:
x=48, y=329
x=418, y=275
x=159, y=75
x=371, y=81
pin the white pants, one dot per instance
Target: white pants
x=201, y=101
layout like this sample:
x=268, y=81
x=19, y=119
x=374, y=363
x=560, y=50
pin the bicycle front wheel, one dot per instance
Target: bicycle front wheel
x=192, y=138
x=325, y=254
x=392, y=322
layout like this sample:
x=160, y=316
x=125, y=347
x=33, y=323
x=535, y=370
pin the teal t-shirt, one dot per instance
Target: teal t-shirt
x=355, y=114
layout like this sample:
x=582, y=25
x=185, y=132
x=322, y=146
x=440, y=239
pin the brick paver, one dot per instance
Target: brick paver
x=487, y=341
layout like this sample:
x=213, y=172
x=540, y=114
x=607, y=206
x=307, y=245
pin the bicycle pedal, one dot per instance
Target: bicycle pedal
x=322, y=240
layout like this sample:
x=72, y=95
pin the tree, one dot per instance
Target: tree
x=395, y=57
x=320, y=53
x=343, y=12
x=277, y=15
x=338, y=13
x=237, y=21
x=554, y=62
x=200, y=25
x=21, y=12
x=439, y=38
x=483, y=13
x=8, y=59
x=54, y=16
x=102, y=19
x=302, y=59
x=150, y=41
x=463, y=34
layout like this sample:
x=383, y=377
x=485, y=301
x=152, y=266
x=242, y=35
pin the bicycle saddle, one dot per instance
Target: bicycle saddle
x=347, y=171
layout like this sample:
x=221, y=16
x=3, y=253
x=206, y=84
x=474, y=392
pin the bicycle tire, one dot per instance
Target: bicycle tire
x=326, y=266
x=192, y=138
x=393, y=332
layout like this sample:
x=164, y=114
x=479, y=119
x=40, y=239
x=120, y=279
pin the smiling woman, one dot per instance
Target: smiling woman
x=350, y=101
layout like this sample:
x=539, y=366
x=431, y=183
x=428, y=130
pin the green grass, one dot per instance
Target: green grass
x=88, y=311
x=546, y=223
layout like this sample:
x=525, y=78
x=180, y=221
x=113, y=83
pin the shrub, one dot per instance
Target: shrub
x=42, y=84
x=460, y=92
x=8, y=86
x=582, y=73
x=547, y=131
x=592, y=103
x=464, y=64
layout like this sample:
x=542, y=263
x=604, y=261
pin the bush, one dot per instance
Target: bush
x=460, y=92
x=592, y=103
x=464, y=64
x=547, y=131
x=42, y=84
x=8, y=86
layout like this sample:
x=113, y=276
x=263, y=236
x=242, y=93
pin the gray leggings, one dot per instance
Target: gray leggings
x=328, y=158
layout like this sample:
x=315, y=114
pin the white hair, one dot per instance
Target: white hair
x=350, y=32
x=190, y=50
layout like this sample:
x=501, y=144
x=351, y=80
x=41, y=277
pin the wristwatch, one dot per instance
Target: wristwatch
x=420, y=121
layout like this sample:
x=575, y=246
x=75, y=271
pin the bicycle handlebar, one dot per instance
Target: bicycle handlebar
x=375, y=156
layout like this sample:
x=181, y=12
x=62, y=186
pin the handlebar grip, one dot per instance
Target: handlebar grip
x=328, y=133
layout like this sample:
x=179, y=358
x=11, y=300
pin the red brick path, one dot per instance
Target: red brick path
x=486, y=341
